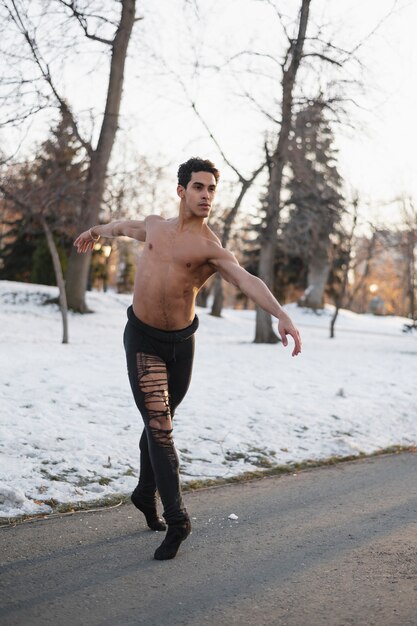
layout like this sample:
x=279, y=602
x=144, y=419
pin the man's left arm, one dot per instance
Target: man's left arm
x=228, y=267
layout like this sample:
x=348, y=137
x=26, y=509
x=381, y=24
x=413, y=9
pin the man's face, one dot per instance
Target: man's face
x=199, y=193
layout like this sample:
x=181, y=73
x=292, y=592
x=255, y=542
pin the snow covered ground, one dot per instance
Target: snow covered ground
x=70, y=429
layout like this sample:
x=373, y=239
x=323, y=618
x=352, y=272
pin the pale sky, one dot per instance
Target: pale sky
x=376, y=156
x=174, y=56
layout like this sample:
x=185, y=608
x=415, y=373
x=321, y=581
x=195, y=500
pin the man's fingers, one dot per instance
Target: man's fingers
x=290, y=330
x=297, y=342
x=84, y=242
x=82, y=246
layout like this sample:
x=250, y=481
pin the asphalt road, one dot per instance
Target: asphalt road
x=332, y=546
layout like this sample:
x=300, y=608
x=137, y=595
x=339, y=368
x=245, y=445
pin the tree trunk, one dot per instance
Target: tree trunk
x=78, y=266
x=318, y=272
x=217, y=306
x=263, y=328
x=368, y=260
x=55, y=259
x=264, y=332
x=202, y=297
x=342, y=291
x=59, y=278
x=263, y=325
x=77, y=278
x=411, y=274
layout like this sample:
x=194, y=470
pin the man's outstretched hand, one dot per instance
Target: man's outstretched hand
x=85, y=242
x=286, y=327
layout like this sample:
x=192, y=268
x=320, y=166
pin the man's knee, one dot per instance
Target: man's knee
x=161, y=436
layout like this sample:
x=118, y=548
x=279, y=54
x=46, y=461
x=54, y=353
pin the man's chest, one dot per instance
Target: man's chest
x=181, y=249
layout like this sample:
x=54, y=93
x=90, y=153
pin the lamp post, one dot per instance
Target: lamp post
x=376, y=304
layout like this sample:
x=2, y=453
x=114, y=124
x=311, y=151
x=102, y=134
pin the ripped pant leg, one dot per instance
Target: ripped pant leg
x=152, y=398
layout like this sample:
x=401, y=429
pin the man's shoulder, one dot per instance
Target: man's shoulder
x=153, y=223
x=154, y=218
x=210, y=237
x=213, y=248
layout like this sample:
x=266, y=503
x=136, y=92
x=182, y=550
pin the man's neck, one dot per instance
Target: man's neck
x=188, y=221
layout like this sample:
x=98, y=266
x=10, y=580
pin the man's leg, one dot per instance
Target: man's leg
x=147, y=482
x=144, y=495
x=179, y=376
x=152, y=382
x=149, y=381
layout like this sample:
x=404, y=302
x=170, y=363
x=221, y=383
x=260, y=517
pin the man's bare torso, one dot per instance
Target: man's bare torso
x=171, y=270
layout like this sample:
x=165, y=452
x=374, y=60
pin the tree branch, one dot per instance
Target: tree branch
x=212, y=137
x=323, y=57
x=80, y=17
x=260, y=108
x=45, y=72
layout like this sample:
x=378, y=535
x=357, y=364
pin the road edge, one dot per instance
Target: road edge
x=116, y=500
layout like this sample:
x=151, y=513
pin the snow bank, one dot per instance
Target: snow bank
x=70, y=428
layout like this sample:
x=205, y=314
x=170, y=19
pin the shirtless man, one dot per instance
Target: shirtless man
x=180, y=254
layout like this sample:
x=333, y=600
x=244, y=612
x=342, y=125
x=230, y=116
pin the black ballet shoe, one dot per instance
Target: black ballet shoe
x=149, y=510
x=176, y=534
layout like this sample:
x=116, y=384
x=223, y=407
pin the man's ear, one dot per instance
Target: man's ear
x=180, y=191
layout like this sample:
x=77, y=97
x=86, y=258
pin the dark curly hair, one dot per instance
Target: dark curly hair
x=195, y=165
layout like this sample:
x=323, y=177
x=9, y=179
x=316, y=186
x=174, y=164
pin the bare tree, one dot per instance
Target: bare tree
x=291, y=63
x=348, y=249
x=409, y=251
x=46, y=192
x=27, y=207
x=116, y=39
x=301, y=49
x=362, y=264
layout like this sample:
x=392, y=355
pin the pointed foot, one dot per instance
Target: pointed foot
x=176, y=534
x=149, y=510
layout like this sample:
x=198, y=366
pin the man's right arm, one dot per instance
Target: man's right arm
x=136, y=229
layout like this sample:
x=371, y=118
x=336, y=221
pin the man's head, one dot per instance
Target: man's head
x=197, y=181
x=195, y=164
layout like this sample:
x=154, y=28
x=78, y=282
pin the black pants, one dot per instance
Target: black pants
x=159, y=365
